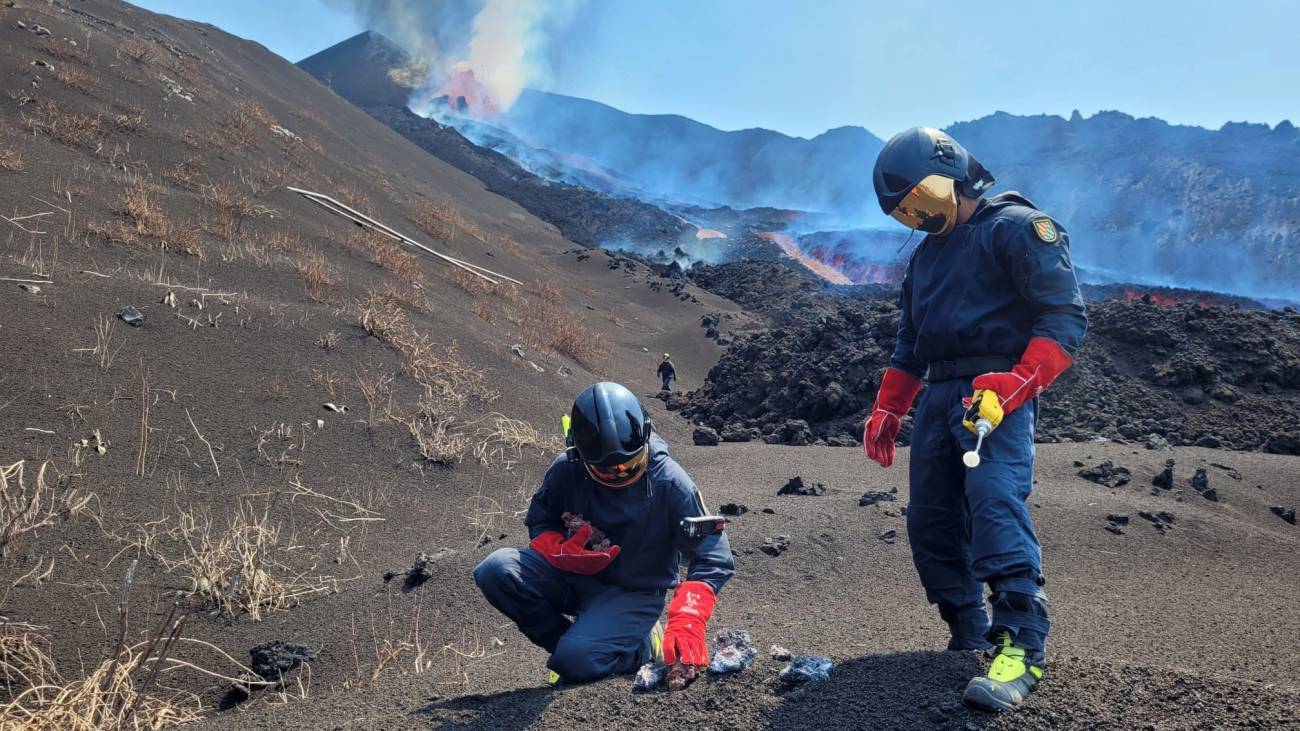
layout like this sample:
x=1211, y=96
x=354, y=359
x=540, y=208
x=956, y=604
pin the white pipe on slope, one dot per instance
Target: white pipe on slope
x=341, y=209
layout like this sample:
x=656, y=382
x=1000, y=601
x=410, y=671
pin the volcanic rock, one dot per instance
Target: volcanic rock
x=1165, y=479
x=1288, y=443
x=131, y=316
x=1107, y=474
x=273, y=660
x=889, y=536
x=733, y=509
x=1200, y=482
x=649, y=677
x=806, y=669
x=573, y=522
x=733, y=652
x=422, y=570
x=1162, y=521
x=1115, y=524
x=796, y=486
x=679, y=676
x=1157, y=442
x=705, y=437
x=871, y=497
x=736, y=433
x=775, y=546
x=776, y=652
x=1287, y=514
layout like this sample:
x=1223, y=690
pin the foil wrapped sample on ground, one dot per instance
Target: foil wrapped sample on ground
x=805, y=669
x=733, y=652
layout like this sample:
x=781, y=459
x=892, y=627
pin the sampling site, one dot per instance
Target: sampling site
x=286, y=349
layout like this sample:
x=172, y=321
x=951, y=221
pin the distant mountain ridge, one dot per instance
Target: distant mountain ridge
x=1145, y=201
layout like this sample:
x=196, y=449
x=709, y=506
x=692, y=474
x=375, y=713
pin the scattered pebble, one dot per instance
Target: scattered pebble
x=1232, y=471
x=131, y=316
x=796, y=486
x=776, y=652
x=733, y=652
x=1162, y=521
x=517, y=349
x=30, y=288
x=871, y=497
x=1287, y=514
x=422, y=570
x=805, y=669
x=335, y=408
x=40, y=30
x=889, y=536
x=775, y=546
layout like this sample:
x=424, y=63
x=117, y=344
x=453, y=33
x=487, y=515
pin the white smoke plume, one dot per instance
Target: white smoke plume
x=499, y=46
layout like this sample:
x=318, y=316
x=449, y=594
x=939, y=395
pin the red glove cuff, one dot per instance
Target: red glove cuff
x=898, y=389
x=693, y=598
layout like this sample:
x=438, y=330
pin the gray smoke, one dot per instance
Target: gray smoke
x=501, y=46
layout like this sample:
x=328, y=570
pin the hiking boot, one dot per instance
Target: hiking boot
x=1012, y=675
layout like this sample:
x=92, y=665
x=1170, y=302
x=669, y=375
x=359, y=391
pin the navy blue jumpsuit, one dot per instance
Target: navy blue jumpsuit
x=985, y=289
x=617, y=608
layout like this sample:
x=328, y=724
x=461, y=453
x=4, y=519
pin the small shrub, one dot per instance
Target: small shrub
x=185, y=173
x=26, y=508
x=76, y=79
x=317, y=274
x=70, y=128
x=141, y=52
x=11, y=159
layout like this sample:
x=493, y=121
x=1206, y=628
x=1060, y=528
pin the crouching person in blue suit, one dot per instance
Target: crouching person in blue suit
x=617, y=474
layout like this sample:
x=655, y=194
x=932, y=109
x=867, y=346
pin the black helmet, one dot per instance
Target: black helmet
x=610, y=431
x=918, y=175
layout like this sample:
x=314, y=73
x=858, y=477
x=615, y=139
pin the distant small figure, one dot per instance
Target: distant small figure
x=667, y=373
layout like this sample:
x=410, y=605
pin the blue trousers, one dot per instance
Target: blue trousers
x=971, y=527
x=611, y=632
x=668, y=382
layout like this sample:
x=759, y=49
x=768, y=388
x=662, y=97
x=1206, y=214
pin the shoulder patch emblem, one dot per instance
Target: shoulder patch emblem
x=1046, y=230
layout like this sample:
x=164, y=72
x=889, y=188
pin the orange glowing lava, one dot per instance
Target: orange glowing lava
x=790, y=248
x=467, y=95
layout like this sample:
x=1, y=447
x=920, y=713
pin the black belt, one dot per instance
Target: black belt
x=946, y=370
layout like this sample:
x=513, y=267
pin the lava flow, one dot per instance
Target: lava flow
x=791, y=249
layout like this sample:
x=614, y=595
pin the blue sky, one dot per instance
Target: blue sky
x=803, y=67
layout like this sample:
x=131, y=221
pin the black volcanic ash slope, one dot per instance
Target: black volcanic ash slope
x=1213, y=376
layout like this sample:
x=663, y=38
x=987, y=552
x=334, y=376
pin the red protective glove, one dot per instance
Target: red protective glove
x=898, y=390
x=1042, y=362
x=688, y=618
x=572, y=555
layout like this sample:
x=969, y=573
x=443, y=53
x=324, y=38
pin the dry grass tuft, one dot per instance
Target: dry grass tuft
x=503, y=440
x=132, y=119
x=317, y=274
x=231, y=205
x=240, y=566
x=65, y=51
x=238, y=128
x=144, y=213
x=434, y=433
x=356, y=199
x=549, y=325
x=139, y=51
x=468, y=281
x=254, y=109
x=186, y=173
x=11, y=159
x=485, y=312
x=68, y=127
x=443, y=221
x=285, y=241
x=26, y=509
x=24, y=655
x=76, y=79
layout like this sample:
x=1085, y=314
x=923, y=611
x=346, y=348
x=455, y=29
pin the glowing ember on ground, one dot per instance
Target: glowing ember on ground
x=791, y=249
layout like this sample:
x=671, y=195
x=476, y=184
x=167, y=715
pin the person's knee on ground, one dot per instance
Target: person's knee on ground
x=581, y=660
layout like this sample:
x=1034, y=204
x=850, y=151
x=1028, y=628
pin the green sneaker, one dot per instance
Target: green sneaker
x=1009, y=681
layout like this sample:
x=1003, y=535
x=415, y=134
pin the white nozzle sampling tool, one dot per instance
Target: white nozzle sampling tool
x=982, y=428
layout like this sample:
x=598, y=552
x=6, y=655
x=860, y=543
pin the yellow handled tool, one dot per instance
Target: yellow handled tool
x=983, y=416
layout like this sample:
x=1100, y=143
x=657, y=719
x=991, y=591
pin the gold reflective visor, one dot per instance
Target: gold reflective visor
x=621, y=476
x=930, y=206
